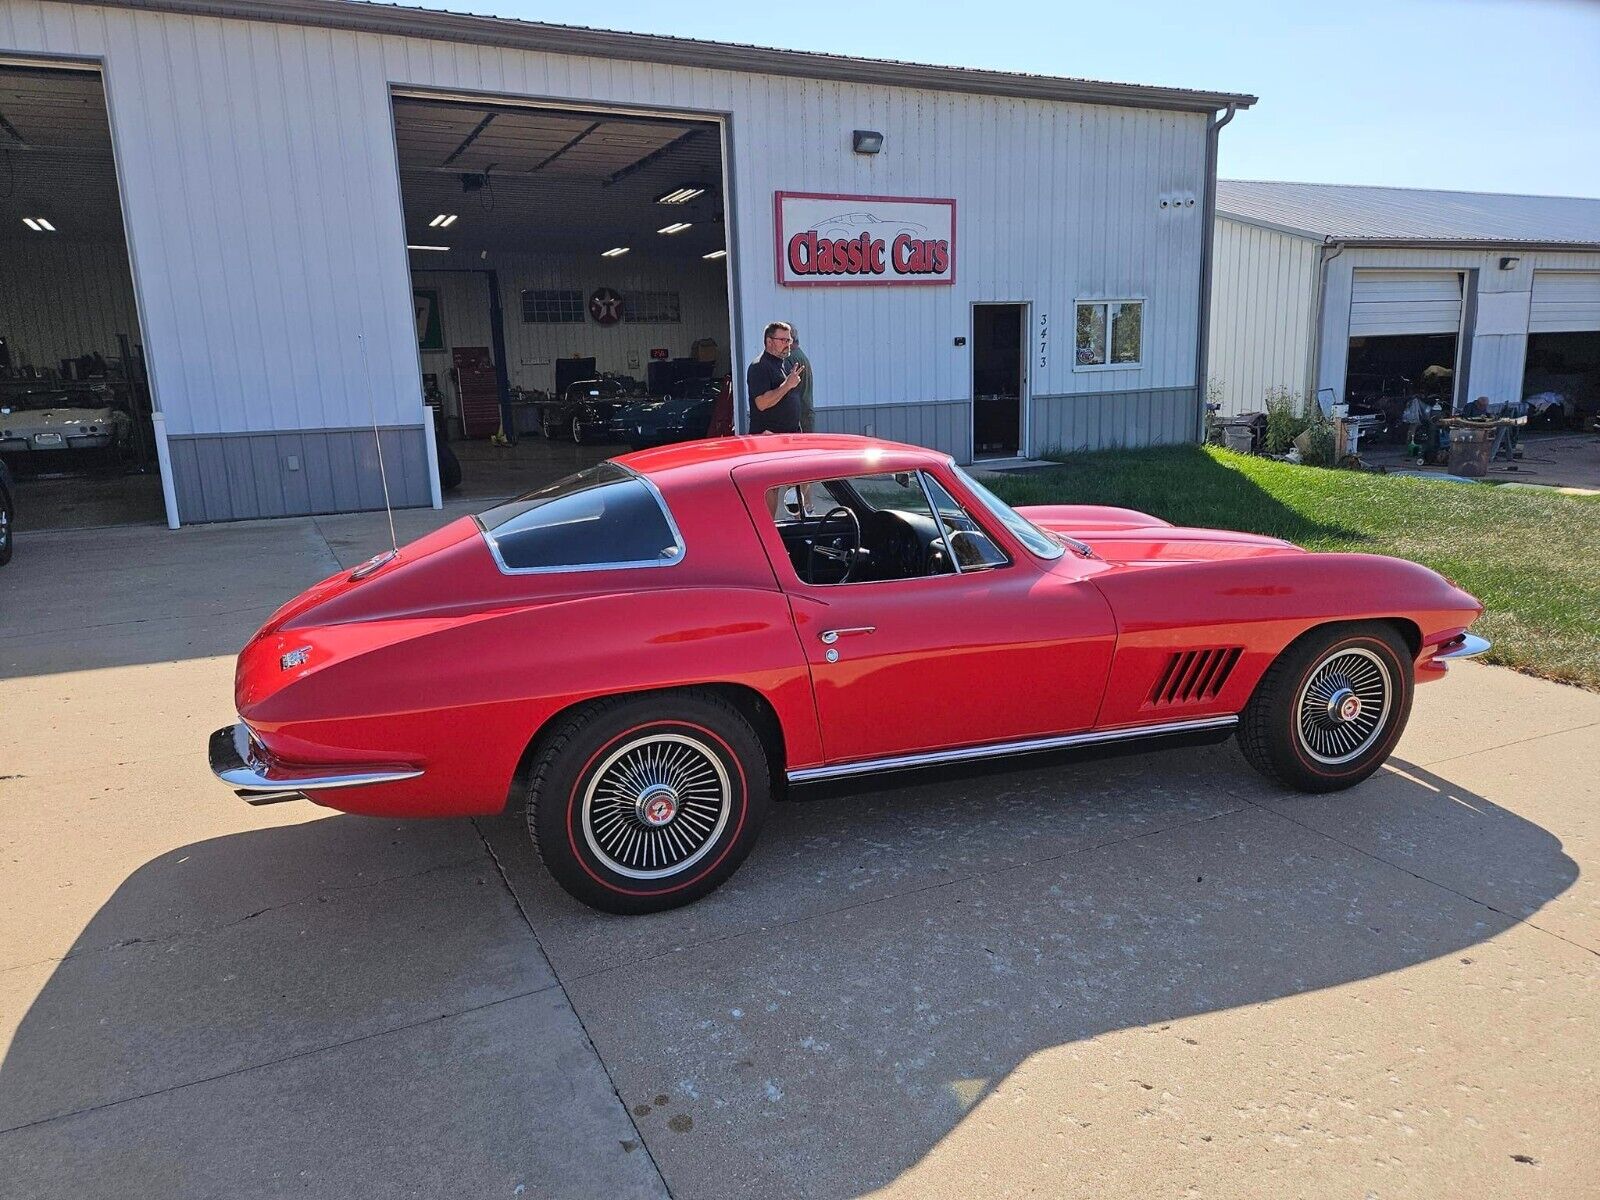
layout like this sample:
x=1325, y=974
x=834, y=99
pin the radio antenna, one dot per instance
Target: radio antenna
x=377, y=439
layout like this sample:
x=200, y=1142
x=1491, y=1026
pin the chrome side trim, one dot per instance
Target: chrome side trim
x=1471, y=646
x=932, y=758
x=241, y=764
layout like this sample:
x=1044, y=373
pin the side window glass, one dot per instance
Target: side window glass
x=860, y=529
x=600, y=518
x=974, y=550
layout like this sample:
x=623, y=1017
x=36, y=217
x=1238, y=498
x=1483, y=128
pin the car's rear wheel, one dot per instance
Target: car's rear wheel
x=643, y=804
x=1329, y=711
x=577, y=431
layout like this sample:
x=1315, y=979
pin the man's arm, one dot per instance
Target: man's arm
x=767, y=399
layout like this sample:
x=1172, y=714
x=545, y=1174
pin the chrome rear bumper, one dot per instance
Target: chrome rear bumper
x=256, y=777
x=1470, y=646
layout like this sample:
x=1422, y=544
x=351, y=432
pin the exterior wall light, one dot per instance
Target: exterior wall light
x=866, y=141
x=1509, y=262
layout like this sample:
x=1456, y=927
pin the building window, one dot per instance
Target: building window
x=660, y=308
x=1110, y=333
x=552, y=307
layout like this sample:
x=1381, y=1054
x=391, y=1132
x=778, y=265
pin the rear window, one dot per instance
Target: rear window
x=602, y=518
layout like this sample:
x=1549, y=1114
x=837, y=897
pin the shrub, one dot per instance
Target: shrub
x=1284, y=424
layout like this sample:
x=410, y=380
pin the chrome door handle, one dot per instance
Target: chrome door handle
x=830, y=636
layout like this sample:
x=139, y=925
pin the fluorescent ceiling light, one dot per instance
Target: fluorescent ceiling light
x=32, y=224
x=675, y=227
x=443, y=221
x=614, y=252
x=681, y=195
x=716, y=254
x=427, y=247
x=46, y=224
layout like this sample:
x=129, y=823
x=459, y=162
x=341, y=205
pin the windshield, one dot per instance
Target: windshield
x=1030, y=535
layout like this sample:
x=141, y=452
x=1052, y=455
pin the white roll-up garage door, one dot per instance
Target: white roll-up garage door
x=1389, y=303
x=1565, y=302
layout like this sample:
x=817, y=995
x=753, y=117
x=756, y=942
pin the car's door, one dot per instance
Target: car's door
x=1007, y=652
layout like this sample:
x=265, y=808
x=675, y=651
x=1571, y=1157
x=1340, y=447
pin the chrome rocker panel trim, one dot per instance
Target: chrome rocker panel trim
x=932, y=758
x=241, y=764
x=1470, y=647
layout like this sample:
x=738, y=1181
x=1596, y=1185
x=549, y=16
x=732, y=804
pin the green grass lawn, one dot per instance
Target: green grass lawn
x=1531, y=555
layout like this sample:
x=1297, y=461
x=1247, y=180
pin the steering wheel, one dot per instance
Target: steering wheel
x=843, y=556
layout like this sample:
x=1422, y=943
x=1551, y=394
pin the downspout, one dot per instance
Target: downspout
x=1207, y=223
x=1319, y=310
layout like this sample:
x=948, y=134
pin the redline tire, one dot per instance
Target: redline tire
x=642, y=804
x=1329, y=711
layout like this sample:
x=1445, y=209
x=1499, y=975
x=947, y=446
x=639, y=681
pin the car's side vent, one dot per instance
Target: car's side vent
x=1193, y=675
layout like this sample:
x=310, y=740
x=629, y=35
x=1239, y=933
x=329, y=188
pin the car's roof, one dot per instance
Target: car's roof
x=853, y=455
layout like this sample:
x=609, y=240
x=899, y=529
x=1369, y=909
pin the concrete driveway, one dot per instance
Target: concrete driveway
x=1146, y=976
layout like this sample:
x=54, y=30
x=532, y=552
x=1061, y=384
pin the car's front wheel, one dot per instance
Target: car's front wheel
x=1329, y=711
x=643, y=804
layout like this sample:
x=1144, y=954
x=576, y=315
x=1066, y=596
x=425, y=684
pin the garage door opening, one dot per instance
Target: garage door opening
x=1383, y=373
x=570, y=279
x=1566, y=367
x=75, y=403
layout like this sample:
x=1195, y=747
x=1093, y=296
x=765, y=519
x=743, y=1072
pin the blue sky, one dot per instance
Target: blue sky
x=1476, y=95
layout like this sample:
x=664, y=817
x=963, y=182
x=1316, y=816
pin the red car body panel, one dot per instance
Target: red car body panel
x=442, y=663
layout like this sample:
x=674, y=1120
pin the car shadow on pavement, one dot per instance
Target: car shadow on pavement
x=881, y=965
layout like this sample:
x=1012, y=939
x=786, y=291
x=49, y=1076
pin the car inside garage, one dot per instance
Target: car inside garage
x=570, y=281
x=76, y=407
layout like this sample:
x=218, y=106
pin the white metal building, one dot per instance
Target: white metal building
x=1332, y=290
x=270, y=163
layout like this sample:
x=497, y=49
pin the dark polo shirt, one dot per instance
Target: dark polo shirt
x=766, y=373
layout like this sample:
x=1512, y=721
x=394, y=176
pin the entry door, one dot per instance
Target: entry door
x=952, y=660
x=999, y=379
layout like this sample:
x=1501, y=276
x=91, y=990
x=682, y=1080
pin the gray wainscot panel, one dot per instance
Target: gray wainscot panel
x=944, y=425
x=240, y=476
x=1104, y=420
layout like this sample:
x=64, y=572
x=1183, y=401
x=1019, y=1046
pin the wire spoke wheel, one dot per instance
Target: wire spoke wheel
x=1344, y=705
x=656, y=805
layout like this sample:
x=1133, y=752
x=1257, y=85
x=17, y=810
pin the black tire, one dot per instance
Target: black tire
x=1310, y=724
x=550, y=429
x=7, y=536
x=629, y=839
x=449, y=468
x=577, y=431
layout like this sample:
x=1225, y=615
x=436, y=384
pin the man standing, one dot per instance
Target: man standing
x=772, y=382
x=808, y=414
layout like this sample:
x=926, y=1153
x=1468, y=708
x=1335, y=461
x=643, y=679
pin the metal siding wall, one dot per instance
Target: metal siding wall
x=941, y=425
x=61, y=299
x=1263, y=287
x=1106, y=420
x=260, y=189
x=232, y=477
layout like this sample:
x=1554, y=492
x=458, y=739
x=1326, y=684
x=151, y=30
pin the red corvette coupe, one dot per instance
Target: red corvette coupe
x=641, y=655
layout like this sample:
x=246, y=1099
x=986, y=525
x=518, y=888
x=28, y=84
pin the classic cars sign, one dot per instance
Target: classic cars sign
x=863, y=240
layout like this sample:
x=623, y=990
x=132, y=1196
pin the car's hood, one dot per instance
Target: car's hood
x=1124, y=537
x=45, y=418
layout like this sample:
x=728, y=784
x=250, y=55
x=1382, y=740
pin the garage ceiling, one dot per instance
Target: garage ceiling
x=556, y=180
x=55, y=156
